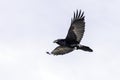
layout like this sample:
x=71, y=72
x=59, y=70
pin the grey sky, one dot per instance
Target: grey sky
x=28, y=28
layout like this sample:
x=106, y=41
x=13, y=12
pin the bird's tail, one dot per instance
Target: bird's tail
x=85, y=48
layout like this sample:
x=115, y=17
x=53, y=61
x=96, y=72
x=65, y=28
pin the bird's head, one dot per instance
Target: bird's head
x=55, y=41
x=59, y=42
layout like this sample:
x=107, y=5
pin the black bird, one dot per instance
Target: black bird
x=74, y=36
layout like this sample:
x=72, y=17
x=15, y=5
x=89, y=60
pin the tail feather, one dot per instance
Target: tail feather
x=85, y=48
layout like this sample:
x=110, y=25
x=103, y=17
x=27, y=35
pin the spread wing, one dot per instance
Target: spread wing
x=60, y=50
x=77, y=27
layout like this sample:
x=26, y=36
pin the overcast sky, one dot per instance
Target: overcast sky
x=29, y=27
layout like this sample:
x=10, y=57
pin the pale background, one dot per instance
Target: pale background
x=28, y=28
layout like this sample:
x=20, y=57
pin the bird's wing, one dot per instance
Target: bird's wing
x=77, y=27
x=60, y=50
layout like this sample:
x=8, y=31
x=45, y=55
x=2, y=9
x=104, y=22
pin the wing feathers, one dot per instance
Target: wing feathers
x=60, y=50
x=76, y=30
x=76, y=14
x=79, y=13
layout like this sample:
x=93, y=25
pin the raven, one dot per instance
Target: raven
x=74, y=36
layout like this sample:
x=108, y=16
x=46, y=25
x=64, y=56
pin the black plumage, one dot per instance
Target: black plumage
x=74, y=36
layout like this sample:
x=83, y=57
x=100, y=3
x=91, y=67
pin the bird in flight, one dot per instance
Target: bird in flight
x=74, y=36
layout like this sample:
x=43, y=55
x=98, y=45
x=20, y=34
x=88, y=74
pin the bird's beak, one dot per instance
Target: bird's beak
x=55, y=41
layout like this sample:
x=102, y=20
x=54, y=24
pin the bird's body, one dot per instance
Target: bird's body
x=65, y=42
x=73, y=38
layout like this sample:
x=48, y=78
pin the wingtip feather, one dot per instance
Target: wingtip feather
x=79, y=14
